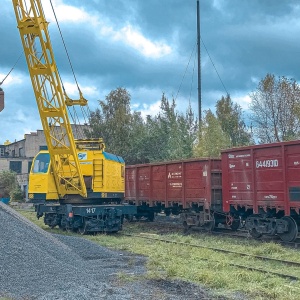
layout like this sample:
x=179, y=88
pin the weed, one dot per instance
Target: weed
x=205, y=266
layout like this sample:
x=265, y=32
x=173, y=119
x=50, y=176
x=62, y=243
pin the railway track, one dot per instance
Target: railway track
x=226, y=251
x=283, y=275
x=239, y=234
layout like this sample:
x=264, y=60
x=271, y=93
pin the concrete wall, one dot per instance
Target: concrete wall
x=30, y=145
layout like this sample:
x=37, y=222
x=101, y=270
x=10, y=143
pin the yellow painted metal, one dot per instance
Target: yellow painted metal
x=97, y=173
x=50, y=97
x=104, y=175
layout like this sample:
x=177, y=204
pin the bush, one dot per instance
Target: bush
x=9, y=187
x=16, y=194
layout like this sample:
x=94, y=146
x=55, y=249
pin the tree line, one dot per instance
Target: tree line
x=170, y=134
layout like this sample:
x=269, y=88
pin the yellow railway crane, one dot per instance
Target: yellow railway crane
x=44, y=76
x=65, y=179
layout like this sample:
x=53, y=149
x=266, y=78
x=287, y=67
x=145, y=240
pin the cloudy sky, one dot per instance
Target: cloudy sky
x=147, y=47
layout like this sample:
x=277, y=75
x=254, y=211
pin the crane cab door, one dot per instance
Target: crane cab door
x=1, y=99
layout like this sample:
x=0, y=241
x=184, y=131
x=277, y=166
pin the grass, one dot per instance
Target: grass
x=205, y=266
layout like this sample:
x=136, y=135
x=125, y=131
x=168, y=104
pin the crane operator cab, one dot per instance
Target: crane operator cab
x=42, y=178
x=1, y=99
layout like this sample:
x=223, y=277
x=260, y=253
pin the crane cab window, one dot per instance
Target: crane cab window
x=41, y=163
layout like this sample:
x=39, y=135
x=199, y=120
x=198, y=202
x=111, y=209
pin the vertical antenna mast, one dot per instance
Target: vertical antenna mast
x=199, y=63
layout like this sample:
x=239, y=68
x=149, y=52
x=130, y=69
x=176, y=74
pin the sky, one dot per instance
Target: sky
x=148, y=47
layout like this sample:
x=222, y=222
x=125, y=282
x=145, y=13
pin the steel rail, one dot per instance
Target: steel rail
x=242, y=234
x=291, y=263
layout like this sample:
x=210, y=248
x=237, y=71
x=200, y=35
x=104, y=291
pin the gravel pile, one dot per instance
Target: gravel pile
x=35, y=264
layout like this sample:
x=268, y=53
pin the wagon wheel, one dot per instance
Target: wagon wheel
x=186, y=228
x=129, y=218
x=292, y=232
x=235, y=225
x=255, y=234
x=210, y=225
x=151, y=216
x=69, y=229
x=82, y=229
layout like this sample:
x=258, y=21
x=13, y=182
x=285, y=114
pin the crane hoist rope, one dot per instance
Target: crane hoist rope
x=82, y=101
x=11, y=69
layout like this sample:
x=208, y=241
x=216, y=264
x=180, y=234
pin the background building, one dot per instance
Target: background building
x=18, y=156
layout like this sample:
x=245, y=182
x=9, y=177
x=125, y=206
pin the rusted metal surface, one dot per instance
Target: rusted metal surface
x=176, y=183
x=1, y=99
x=262, y=177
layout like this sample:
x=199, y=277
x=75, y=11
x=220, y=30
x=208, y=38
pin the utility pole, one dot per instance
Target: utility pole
x=199, y=64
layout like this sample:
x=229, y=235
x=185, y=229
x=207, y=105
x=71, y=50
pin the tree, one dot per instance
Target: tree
x=172, y=133
x=274, y=105
x=166, y=136
x=231, y=120
x=9, y=187
x=120, y=129
x=212, y=139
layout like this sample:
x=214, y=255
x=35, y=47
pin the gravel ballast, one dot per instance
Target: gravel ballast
x=38, y=265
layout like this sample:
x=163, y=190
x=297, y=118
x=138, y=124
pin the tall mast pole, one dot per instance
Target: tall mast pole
x=199, y=63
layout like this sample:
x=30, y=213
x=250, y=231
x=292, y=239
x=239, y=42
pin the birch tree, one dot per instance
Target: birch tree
x=275, y=109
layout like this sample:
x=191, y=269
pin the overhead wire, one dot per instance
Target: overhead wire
x=11, y=69
x=214, y=66
x=63, y=41
x=185, y=71
x=193, y=77
x=74, y=115
x=211, y=60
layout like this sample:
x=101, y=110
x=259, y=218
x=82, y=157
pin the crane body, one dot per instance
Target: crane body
x=76, y=191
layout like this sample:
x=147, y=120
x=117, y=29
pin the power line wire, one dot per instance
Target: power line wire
x=214, y=67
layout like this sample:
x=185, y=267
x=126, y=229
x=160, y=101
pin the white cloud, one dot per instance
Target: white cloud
x=127, y=34
x=149, y=109
x=217, y=4
x=10, y=79
x=243, y=100
x=136, y=40
x=72, y=90
x=65, y=13
x=133, y=38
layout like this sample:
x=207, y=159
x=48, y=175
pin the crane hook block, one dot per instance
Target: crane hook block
x=1, y=99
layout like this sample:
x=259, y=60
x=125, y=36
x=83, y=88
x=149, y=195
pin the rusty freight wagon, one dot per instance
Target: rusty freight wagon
x=261, y=184
x=191, y=188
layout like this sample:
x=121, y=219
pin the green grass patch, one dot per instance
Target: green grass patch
x=205, y=266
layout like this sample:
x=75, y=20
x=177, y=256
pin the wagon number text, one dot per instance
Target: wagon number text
x=268, y=163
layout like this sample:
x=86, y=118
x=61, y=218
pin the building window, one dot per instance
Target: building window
x=15, y=166
x=29, y=166
x=21, y=152
x=43, y=148
x=2, y=151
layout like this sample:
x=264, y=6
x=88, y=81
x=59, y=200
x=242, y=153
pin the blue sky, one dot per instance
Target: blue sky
x=145, y=46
